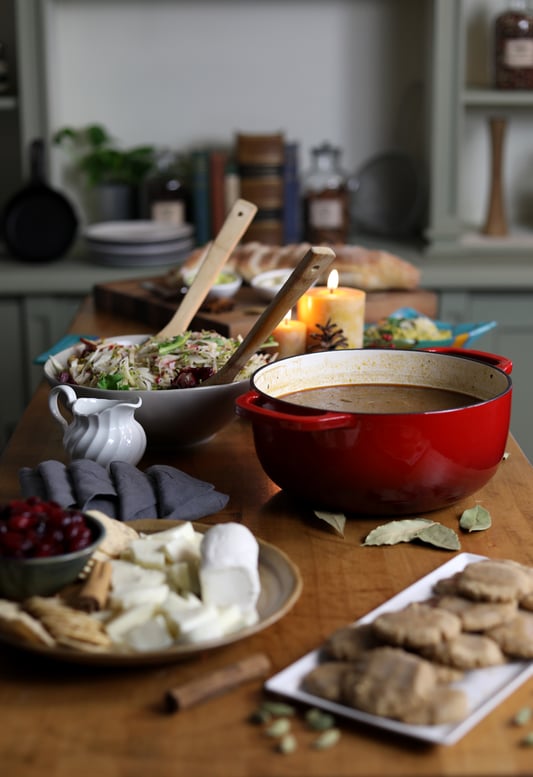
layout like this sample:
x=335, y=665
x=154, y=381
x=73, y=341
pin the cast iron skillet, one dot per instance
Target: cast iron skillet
x=38, y=223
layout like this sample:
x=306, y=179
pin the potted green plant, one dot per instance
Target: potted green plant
x=116, y=174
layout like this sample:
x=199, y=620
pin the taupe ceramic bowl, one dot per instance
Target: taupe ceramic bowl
x=174, y=418
x=24, y=577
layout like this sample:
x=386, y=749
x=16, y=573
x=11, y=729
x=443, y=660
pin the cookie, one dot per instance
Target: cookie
x=388, y=681
x=416, y=626
x=515, y=637
x=447, y=705
x=349, y=642
x=16, y=623
x=447, y=585
x=526, y=602
x=466, y=651
x=71, y=628
x=475, y=615
x=494, y=581
x=325, y=680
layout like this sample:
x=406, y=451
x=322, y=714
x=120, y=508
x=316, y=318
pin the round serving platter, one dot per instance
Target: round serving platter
x=281, y=586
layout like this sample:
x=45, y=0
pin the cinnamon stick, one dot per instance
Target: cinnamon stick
x=217, y=682
x=94, y=592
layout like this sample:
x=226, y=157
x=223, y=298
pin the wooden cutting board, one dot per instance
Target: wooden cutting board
x=130, y=298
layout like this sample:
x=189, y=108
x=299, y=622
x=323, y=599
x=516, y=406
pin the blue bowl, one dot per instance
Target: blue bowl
x=462, y=335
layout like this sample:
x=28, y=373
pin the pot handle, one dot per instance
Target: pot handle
x=492, y=359
x=248, y=406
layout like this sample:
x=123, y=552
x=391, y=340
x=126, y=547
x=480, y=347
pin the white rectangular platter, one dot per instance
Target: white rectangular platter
x=485, y=688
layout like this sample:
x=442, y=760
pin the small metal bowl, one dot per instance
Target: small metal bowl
x=24, y=577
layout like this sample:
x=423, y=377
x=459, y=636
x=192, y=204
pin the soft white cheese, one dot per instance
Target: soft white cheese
x=130, y=575
x=125, y=597
x=151, y=635
x=122, y=623
x=229, y=572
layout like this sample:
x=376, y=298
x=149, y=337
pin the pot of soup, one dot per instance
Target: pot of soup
x=381, y=432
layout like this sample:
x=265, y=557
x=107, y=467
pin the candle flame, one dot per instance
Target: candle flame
x=333, y=280
x=287, y=318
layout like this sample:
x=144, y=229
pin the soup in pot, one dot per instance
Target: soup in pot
x=380, y=398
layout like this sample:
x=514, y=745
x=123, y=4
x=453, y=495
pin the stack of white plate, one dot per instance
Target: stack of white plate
x=139, y=243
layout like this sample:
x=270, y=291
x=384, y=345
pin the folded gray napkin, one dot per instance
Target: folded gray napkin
x=123, y=492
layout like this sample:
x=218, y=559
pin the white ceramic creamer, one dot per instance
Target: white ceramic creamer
x=103, y=430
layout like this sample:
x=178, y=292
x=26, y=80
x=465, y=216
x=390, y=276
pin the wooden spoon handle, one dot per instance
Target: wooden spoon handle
x=313, y=264
x=237, y=222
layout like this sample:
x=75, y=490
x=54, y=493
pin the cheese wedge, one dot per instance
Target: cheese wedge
x=229, y=572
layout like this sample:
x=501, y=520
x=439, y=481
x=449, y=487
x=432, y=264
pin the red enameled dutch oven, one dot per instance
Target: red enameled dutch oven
x=381, y=463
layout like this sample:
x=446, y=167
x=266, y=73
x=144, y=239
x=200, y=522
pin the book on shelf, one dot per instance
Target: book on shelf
x=292, y=206
x=217, y=198
x=260, y=161
x=200, y=196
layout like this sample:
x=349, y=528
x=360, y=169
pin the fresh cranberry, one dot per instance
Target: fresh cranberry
x=36, y=528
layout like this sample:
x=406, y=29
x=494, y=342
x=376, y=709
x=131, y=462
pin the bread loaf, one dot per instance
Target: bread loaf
x=363, y=268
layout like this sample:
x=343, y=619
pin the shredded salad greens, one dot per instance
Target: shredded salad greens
x=184, y=361
x=404, y=330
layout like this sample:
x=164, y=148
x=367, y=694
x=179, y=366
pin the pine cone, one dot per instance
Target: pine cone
x=329, y=337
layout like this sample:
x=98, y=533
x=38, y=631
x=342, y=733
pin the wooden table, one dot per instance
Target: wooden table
x=69, y=720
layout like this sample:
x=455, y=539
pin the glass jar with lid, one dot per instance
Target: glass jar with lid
x=164, y=196
x=513, y=47
x=326, y=197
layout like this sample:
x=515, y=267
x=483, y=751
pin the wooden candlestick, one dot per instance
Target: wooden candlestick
x=496, y=223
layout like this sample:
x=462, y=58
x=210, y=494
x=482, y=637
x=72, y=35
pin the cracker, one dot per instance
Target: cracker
x=466, y=651
x=118, y=536
x=515, y=637
x=475, y=615
x=21, y=625
x=388, y=681
x=494, y=581
x=72, y=628
x=416, y=626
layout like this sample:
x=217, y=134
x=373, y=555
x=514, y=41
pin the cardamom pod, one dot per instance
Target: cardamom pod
x=327, y=739
x=287, y=744
x=522, y=717
x=278, y=708
x=278, y=728
x=318, y=720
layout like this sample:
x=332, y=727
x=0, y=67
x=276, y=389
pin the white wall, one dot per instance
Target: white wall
x=187, y=72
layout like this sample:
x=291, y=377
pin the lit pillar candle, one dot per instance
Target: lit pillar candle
x=291, y=336
x=340, y=306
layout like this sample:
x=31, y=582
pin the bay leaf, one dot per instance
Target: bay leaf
x=440, y=536
x=475, y=519
x=336, y=520
x=393, y=532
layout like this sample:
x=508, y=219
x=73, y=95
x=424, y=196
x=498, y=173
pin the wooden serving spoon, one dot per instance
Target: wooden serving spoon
x=313, y=264
x=237, y=222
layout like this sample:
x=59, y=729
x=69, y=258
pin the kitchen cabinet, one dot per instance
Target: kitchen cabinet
x=512, y=338
x=29, y=325
x=463, y=102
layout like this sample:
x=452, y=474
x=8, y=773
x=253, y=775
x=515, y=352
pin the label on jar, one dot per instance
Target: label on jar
x=326, y=213
x=168, y=212
x=518, y=52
